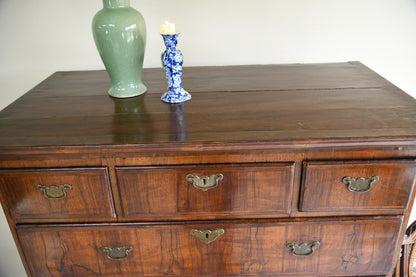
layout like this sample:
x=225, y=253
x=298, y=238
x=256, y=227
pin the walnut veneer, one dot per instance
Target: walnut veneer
x=270, y=170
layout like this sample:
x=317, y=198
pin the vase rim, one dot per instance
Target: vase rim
x=175, y=34
x=114, y=4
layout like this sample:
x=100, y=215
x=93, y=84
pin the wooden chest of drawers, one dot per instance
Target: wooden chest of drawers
x=274, y=170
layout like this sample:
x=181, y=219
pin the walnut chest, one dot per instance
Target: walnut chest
x=270, y=170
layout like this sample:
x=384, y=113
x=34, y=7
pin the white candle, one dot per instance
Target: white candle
x=168, y=28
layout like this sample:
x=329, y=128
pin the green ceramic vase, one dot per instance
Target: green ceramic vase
x=120, y=36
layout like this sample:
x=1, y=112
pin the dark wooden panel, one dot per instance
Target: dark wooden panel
x=347, y=248
x=299, y=103
x=323, y=189
x=88, y=199
x=163, y=192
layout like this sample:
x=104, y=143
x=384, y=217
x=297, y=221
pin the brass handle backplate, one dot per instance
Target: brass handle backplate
x=117, y=253
x=360, y=184
x=54, y=192
x=207, y=236
x=204, y=182
x=303, y=249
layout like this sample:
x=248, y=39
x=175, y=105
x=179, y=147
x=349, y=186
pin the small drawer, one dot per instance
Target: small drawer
x=324, y=248
x=357, y=186
x=201, y=191
x=75, y=194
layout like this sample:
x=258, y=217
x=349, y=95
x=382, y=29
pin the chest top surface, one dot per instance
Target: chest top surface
x=232, y=104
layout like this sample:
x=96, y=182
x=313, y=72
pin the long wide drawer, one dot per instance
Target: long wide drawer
x=355, y=186
x=56, y=195
x=206, y=191
x=327, y=248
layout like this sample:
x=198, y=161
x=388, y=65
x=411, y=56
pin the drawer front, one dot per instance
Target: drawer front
x=331, y=248
x=254, y=190
x=57, y=194
x=357, y=186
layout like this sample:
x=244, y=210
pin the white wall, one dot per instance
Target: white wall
x=38, y=37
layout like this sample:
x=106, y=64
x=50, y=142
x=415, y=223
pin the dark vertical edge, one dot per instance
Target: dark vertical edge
x=294, y=187
x=110, y=193
x=113, y=189
x=303, y=168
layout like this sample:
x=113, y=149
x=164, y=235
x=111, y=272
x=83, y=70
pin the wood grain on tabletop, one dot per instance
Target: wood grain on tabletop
x=290, y=102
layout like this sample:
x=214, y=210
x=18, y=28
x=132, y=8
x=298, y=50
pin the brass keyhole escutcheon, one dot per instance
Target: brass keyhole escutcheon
x=204, y=182
x=207, y=236
x=117, y=253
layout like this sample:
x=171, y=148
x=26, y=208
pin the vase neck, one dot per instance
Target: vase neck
x=114, y=4
x=171, y=41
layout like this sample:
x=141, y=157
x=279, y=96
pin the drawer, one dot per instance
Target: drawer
x=357, y=186
x=75, y=194
x=201, y=191
x=330, y=248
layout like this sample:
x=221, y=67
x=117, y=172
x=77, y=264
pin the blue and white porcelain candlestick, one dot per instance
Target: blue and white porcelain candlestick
x=172, y=60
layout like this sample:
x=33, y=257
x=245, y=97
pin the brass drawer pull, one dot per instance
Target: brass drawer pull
x=303, y=249
x=360, y=184
x=207, y=236
x=117, y=253
x=54, y=192
x=204, y=182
